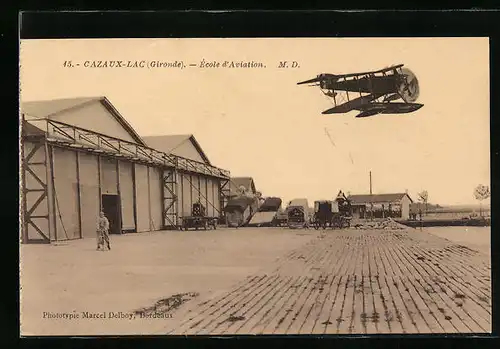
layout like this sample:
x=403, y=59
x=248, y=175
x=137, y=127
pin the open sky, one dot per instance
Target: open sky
x=259, y=123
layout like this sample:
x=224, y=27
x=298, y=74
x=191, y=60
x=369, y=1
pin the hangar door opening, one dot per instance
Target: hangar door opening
x=111, y=208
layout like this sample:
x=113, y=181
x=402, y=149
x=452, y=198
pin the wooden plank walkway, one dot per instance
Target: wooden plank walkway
x=356, y=282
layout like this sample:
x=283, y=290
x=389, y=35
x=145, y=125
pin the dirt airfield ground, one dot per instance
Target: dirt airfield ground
x=256, y=280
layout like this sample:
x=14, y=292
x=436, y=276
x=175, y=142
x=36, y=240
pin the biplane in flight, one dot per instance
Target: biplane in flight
x=392, y=90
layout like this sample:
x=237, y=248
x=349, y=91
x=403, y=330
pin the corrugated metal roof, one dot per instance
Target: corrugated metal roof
x=236, y=182
x=45, y=109
x=376, y=198
x=170, y=143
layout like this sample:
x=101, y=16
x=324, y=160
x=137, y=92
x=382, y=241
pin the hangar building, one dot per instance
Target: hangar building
x=80, y=155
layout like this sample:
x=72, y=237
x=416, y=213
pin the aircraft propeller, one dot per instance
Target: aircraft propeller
x=409, y=88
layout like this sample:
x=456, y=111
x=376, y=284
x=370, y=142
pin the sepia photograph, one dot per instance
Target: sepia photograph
x=254, y=186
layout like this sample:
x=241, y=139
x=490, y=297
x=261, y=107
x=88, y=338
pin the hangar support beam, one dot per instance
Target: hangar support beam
x=35, y=175
x=76, y=137
x=224, y=193
x=170, y=201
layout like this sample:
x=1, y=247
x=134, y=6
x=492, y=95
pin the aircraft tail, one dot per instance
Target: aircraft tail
x=319, y=78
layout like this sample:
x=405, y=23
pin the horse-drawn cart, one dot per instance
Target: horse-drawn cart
x=329, y=214
x=323, y=214
x=198, y=219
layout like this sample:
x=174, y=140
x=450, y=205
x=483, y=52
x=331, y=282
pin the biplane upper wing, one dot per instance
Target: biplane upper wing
x=356, y=103
x=394, y=67
x=326, y=76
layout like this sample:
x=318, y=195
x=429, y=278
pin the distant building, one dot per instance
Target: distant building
x=242, y=201
x=237, y=182
x=343, y=203
x=341, y=196
x=381, y=205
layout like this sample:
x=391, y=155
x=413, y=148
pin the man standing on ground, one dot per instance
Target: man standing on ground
x=102, y=232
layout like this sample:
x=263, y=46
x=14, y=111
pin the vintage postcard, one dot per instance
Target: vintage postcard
x=255, y=186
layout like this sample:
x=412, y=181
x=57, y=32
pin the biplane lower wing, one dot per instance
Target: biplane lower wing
x=370, y=112
x=387, y=108
x=355, y=104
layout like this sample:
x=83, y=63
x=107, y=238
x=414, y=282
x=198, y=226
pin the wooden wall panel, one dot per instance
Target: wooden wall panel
x=127, y=194
x=186, y=195
x=66, y=194
x=142, y=198
x=155, y=198
x=180, y=195
x=89, y=194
